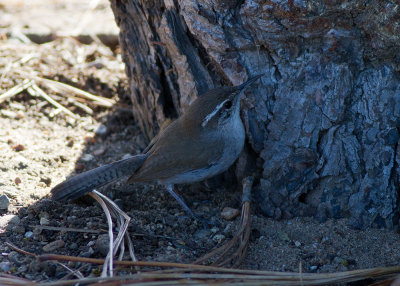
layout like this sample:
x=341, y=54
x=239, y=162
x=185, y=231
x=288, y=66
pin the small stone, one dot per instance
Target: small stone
x=313, y=267
x=73, y=246
x=101, y=130
x=102, y=244
x=297, y=243
x=5, y=266
x=17, y=181
x=89, y=140
x=20, y=115
x=53, y=245
x=283, y=236
x=219, y=237
x=22, y=269
x=87, y=157
x=28, y=234
x=99, y=151
x=46, y=180
x=4, y=202
x=70, y=142
x=44, y=215
x=44, y=221
x=229, y=213
x=201, y=234
x=18, y=147
x=16, y=258
x=86, y=254
x=79, y=166
x=8, y=220
x=214, y=229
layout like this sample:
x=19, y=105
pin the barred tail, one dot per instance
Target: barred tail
x=84, y=183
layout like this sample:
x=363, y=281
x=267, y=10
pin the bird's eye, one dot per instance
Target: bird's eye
x=228, y=104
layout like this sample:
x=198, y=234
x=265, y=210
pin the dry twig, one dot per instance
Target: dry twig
x=15, y=90
x=241, y=238
x=194, y=274
x=34, y=90
x=66, y=89
x=110, y=208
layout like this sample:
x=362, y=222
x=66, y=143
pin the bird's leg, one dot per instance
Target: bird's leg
x=172, y=190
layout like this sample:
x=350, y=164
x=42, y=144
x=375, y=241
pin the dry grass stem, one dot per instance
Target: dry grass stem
x=111, y=209
x=200, y=275
x=227, y=254
x=15, y=90
x=108, y=262
x=77, y=273
x=66, y=89
x=34, y=90
x=223, y=276
x=67, y=229
x=10, y=280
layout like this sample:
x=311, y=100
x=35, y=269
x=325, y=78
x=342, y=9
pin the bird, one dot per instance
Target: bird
x=203, y=142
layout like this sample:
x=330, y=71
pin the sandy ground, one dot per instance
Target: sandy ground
x=40, y=146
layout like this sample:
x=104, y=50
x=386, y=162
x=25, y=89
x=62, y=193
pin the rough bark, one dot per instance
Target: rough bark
x=323, y=125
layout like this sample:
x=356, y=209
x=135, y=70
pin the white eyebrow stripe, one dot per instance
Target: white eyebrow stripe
x=211, y=115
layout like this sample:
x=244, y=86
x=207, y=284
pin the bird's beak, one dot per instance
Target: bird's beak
x=243, y=86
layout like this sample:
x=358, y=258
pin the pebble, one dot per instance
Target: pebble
x=28, y=234
x=87, y=157
x=201, y=234
x=14, y=257
x=79, y=167
x=44, y=221
x=229, y=213
x=101, y=130
x=219, y=237
x=53, y=245
x=214, y=229
x=297, y=243
x=313, y=267
x=22, y=268
x=18, y=147
x=99, y=151
x=102, y=244
x=8, y=220
x=73, y=246
x=5, y=266
x=86, y=254
x=46, y=180
x=283, y=236
x=4, y=202
x=70, y=142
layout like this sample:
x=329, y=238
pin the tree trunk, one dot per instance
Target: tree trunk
x=323, y=123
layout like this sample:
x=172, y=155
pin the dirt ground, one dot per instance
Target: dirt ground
x=40, y=146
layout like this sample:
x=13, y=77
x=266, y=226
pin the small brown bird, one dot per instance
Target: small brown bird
x=205, y=141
